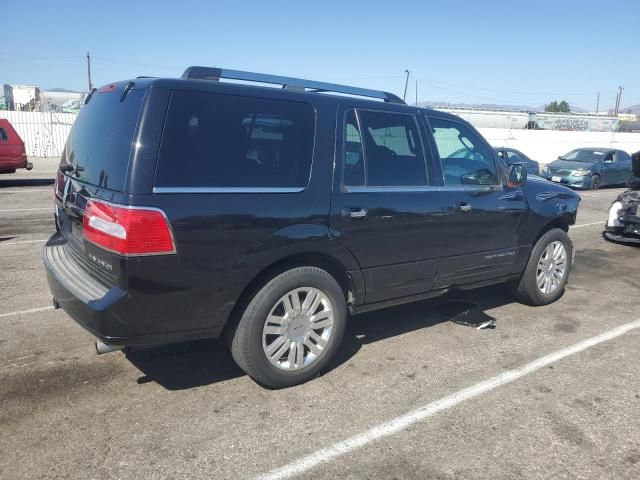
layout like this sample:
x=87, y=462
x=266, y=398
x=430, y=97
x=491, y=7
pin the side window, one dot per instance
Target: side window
x=608, y=158
x=514, y=157
x=213, y=140
x=392, y=149
x=623, y=158
x=465, y=158
x=3, y=135
x=353, y=153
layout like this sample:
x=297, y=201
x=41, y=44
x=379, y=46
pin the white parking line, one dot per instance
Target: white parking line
x=27, y=209
x=22, y=241
x=24, y=312
x=27, y=190
x=601, y=222
x=404, y=421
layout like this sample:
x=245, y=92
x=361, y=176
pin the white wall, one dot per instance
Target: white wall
x=545, y=145
x=44, y=134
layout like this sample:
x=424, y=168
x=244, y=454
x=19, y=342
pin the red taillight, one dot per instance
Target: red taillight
x=127, y=230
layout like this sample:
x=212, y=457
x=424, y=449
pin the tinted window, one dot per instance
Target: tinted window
x=514, y=157
x=213, y=140
x=3, y=135
x=392, y=150
x=465, y=158
x=353, y=153
x=99, y=144
x=623, y=157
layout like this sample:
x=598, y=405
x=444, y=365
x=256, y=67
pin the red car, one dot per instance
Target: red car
x=12, y=152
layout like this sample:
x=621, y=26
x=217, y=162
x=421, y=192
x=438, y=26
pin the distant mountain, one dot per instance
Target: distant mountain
x=635, y=109
x=492, y=106
x=61, y=90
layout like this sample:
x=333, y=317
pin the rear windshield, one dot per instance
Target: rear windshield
x=99, y=145
x=212, y=141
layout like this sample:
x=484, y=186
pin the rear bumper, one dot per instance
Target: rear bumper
x=14, y=164
x=108, y=312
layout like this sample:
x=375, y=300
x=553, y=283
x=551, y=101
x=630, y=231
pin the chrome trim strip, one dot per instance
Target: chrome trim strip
x=228, y=189
x=372, y=189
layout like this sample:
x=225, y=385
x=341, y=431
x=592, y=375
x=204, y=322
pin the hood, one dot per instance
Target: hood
x=571, y=165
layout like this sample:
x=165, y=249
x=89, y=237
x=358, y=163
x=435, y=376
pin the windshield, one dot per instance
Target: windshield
x=585, y=156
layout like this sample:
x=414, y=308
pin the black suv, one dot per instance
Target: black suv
x=191, y=208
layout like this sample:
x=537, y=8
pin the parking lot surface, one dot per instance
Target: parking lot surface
x=186, y=411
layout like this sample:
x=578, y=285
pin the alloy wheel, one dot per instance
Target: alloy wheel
x=552, y=267
x=298, y=328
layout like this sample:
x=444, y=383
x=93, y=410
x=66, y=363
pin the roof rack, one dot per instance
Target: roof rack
x=215, y=74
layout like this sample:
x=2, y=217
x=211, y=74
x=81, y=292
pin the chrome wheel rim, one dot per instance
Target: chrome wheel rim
x=298, y=329
x=551, y=267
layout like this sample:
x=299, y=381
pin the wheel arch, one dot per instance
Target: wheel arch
x=351, y=282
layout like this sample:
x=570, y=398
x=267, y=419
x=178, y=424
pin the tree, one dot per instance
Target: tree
x=559, y=107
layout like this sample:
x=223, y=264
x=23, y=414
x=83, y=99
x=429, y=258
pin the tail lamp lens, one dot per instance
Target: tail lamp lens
x=127, y=230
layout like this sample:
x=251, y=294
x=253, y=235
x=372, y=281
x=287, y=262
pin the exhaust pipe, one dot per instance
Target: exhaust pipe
x=102, y=348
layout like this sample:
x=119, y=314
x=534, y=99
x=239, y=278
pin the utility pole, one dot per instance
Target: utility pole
x=406, y=83
x=619, y=99
x=416, y=93
x=89, y=71
x=598, y=103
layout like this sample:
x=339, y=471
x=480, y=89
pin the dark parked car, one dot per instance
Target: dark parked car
x=191, y=208
x=511, y=156
x=590, y=168
x=623, y=224
x=12, y=152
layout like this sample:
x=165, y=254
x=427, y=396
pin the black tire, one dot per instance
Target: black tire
x=246, y=339
x=595, y=182
x=526, y=289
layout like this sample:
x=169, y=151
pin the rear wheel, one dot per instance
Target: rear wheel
x=547, y=270
x=291, y=328
x=595, y=182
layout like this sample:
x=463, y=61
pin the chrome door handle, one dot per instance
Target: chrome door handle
x=354, y=213
x=465, y=207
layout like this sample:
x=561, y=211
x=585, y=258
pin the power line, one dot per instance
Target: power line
x=472, y=87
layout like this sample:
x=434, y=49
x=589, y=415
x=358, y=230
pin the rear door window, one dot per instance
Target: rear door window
x=383, y=149
x=224, y=141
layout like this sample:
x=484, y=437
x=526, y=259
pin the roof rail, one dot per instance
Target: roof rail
x=215, y=74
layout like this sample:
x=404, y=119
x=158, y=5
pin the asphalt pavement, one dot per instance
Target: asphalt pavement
x=186, y=411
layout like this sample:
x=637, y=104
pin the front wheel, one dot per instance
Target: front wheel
x=595, y=182
x=547, y=270
x=291, y=328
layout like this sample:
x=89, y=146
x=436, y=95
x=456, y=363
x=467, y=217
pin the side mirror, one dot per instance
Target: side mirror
x=517, y=175
x=635, y=163
x=559, y=157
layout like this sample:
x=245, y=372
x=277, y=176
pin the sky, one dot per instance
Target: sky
x=506, y=52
